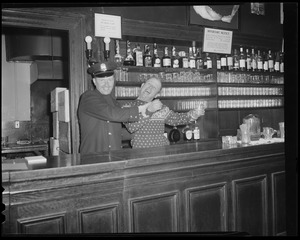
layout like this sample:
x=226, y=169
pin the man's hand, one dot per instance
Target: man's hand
x=196, y=113
x=155, y=105
x=143, y=108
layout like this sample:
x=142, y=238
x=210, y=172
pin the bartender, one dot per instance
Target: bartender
x=100, y=115
x=150, y=132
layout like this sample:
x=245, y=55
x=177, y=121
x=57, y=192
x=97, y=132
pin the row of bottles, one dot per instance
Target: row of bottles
x=136, y=57
x=240, y=60
x=238, y=77
x=249, y=91
x=244, y=60
x=250, y=103
x=121, y=91
x=191, y=133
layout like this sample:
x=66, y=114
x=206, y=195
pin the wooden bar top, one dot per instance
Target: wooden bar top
x=209, y=152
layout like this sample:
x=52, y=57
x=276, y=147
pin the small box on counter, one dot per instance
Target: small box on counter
x=17, y=164
x=36, y=159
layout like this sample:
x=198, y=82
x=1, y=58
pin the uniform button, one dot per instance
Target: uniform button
x=107, y=121
x=109, y=146
x=109, y=133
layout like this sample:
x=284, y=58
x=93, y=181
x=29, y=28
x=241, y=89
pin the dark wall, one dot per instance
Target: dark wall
x=267, y=25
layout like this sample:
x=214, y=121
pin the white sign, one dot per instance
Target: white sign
x=217, y=41
x=108, y=26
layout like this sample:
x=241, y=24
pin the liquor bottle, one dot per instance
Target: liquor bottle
x=196, y=132
x=192, y=60
x=281, y=65
x=265, y=62
x=147, y=57
x=248, y=60
x=175, y=59
x=253, y=60
x=242, y=59
x=224, y=62
x=156, y=61
x=188, y=132
x=229, y=62
x=218, y=62
x=128, y=61
x=208, y=61
x=118, y=59
x=199, y=60
x=138, y=55
x=166, y=60
x=277, y=62
x=183, y=61
x=236, y=61
x=259, y=62
x=270, y=61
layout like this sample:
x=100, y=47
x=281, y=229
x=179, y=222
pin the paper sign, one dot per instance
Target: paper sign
x=217, y=41
x=108, y=26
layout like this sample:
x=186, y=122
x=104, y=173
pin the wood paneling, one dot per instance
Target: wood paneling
x=178, y=188
x=278, y=203
x=102, y=219
x=156, y=213
x=49, y=224
x=250, y=205
x=207, y=208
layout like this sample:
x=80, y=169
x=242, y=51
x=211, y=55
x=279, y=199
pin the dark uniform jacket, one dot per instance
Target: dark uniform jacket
x=100, y=118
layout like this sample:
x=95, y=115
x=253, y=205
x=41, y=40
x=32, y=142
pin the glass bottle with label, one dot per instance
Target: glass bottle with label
x=218, y=62
x=208, y=61
x=138, y=55
x=196, y=132
x=175, y=59
x=188, y=132
x=270, y=61
x=265, y=62
x=118, y=59
x=156, y=61
x=128, y=61
x=248, y=60
x=147, y=57
x=184, y=61
x=192, y=60
x=259, y=62
x=166, y=60
x=277, y=62
x=236, y=60
x=199, y=60
x=253, y=60
x=242, y=60
x=229, y=62
x=224, y=62
x=281, y=65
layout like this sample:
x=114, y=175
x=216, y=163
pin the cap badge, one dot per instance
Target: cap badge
x=103, y=67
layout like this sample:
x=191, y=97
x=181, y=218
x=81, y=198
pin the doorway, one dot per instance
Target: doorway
x=73, y=24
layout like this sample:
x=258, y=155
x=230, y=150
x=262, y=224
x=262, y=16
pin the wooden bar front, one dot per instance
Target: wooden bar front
x=196, y=187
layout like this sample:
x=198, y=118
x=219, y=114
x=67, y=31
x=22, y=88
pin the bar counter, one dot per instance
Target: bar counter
x=194, y=187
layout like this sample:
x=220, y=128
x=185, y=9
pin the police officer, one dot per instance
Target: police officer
x=100, y=115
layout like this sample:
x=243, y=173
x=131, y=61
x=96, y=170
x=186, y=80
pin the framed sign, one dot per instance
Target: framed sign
x=219, y=16
x=108, y=26
x=217, y=41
